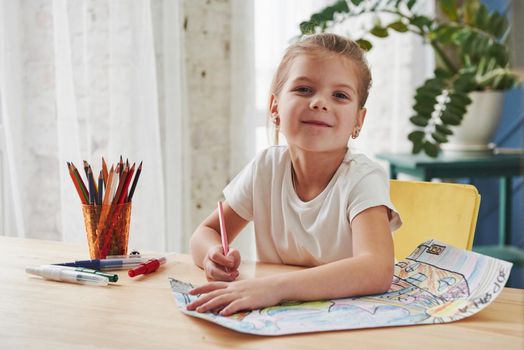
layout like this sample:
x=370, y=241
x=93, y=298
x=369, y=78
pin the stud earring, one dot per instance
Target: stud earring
x=355, y=133
x=275, y=119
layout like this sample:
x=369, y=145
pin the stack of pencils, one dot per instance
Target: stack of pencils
x=114, y=188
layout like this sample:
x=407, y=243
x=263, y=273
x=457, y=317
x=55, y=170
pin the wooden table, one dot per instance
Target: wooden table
x=141, y=313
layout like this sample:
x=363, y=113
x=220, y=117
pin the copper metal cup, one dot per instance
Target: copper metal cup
x=109, y=237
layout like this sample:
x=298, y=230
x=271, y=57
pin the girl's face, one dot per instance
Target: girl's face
x=318, y=105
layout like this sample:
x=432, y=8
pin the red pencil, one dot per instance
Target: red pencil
x=123, y=195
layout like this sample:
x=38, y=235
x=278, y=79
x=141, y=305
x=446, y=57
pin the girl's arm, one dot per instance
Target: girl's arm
x=206, y=248
x=369, y=271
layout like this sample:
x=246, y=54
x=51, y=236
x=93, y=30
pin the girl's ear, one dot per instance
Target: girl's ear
x=361, y=115
x=273, y=105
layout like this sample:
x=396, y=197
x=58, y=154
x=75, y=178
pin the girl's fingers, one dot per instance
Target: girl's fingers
x=234, y=307
x=208, y=287
x=215, y=273
x=217, y=256
x=233, y=259
x=215, y=303
x=202, y=300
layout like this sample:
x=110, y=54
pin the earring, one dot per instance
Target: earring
x=275, y=119
x=355, y=133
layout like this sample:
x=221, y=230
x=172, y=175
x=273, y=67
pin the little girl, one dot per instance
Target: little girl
x=313, y=202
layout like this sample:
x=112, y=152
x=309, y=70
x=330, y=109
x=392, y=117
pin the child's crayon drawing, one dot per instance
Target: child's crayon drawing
x=437, y=283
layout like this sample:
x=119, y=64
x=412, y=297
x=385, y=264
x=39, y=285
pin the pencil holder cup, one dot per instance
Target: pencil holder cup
x=107, y=229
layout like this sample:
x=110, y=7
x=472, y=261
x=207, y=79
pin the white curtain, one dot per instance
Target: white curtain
x=89, y=84
x=242, y=126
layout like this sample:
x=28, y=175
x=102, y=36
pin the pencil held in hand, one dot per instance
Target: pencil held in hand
x=223, y=233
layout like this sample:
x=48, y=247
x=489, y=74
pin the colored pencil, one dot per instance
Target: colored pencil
x=109, y=185
x=91, y=182
x=123, y=195
x=104, y=171
x=100, y=188
x=77, y=185
x=86, y=167
x=133, y=186
x=81, y=183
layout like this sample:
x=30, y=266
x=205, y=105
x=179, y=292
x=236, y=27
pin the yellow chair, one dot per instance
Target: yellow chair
x=443, y=211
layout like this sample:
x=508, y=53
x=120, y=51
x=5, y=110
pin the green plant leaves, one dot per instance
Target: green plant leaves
x=431, y=149
x=325, y=17
x=440, y=104
x=450, y=8
x=416, y=136
x=469, y=41
x=364, y=44
x=379, y=31
x=399, y=26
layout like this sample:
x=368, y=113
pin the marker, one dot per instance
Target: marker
x=110, y=276
x=106, y=264
x=223, y=234
x=149, y=266
x=65, y=275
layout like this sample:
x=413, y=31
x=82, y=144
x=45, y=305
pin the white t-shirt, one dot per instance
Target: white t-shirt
x=290, y=231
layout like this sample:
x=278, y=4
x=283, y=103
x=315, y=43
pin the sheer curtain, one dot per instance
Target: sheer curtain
x=88, y=86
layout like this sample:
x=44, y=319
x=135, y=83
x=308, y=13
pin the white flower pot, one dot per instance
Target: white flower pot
x=479, y=124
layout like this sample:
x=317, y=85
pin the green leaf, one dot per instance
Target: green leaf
x=419, y=120
x=399, y=26
x=443, y=73
x=445, y=33
x=424, y=109
x=431, y=149
x=417, y=147
x=440, y=138
x=449, y=7
x=470, y=9
x=411, y=3
x=364, y=44
x=307, y=27
x=380, y=32
x=443, y=129
x=450, y=119
x=420, y=21
x=482, y=16
x=425, y=99
x=434, y=84
x=457, y=109
x=416, y=136
x=459, y=97
x=355, y=2
x=317, y=18
x=493, y=23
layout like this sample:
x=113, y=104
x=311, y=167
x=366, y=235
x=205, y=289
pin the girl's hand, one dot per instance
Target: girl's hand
x=235, y=296
x=219, y=267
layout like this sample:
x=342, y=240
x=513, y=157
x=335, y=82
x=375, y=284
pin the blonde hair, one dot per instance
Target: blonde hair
x=324, y=43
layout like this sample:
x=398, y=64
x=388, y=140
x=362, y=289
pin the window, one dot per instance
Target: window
x=276, y=24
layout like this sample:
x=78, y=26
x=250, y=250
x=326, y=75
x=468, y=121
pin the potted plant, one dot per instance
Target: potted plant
x=472, y=55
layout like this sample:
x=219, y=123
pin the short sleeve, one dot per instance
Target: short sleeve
x=239, y=192
x=371, y=191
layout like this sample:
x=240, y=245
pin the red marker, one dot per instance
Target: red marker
x=149, y=266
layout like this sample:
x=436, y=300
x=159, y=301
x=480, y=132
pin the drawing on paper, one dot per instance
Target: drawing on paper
x=437, y=283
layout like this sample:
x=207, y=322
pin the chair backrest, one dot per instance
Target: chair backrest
x=443, y=211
